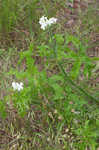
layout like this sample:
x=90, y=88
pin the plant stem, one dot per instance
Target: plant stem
x=76, y=86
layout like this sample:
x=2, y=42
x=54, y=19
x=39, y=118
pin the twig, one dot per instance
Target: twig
x=76, y=86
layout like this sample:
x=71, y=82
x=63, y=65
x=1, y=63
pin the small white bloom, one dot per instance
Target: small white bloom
x=44, y=22
x=14, y=85
x=52, y=20
x=17, y=86
x=21, y=83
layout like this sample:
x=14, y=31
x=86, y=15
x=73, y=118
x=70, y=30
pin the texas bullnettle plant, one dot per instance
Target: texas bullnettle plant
x=51, y=83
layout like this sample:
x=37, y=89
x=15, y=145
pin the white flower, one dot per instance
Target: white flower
x=52, y=20
x=17, y=86
x=14, y=85
x=44, y=22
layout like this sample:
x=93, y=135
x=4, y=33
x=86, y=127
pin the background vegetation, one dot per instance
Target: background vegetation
x=58, y=107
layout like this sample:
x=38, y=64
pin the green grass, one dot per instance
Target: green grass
x=58, y=108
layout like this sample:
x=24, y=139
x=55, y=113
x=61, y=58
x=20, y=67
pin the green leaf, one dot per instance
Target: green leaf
x=3, y=109
x=55, y=78
x=59, y=39
x=75, y=40
x=75, y=69
x=58, y=91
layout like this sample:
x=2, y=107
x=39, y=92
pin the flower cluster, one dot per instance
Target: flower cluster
x=17, y=86
x=44, y=22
